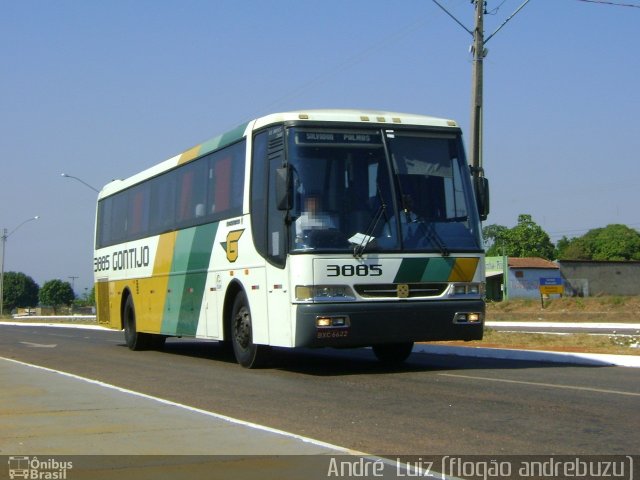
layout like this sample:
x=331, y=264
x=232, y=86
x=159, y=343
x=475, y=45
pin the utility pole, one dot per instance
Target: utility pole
x=479, y=52
x=5, y=235
x=3, y=238
x=476, y=89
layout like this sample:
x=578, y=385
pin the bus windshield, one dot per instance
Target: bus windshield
x=379, y=190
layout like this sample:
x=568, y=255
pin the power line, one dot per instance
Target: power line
x=582, y=231
x=608, y=2
x=495, y=10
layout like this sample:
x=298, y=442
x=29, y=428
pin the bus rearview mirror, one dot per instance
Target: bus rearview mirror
x=481, y=187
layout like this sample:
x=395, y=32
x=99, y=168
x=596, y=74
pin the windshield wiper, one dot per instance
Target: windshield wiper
x=367, y=238
x=429, y=228
x=432, y=233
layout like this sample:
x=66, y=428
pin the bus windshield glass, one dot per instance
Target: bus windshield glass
x=379, y=190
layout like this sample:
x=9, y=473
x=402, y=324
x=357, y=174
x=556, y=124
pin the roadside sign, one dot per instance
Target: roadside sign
x=551, y=285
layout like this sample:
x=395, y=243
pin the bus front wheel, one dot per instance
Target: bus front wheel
x=393, y=353
x=247, y=353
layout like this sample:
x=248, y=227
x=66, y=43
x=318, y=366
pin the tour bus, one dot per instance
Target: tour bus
x=318, y=228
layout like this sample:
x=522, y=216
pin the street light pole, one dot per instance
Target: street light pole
x=81, y=181
x=4, y=237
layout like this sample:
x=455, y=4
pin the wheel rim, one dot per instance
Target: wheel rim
x=242, y=323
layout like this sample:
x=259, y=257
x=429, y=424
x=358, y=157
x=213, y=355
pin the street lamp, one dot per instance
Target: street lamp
x=6, y=235
x=81, y=181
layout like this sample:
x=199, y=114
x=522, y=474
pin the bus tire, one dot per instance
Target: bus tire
x=134, y=339
x=393, y=353
x=247, y=353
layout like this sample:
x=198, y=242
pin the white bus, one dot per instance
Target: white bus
x=320, y=228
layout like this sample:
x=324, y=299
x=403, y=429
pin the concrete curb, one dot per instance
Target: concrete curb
x=575, y=358
x=585, y=325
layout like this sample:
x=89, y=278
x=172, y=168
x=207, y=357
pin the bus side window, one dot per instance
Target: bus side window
x=222, y=182
x=119, y=219
x=186, y=185
x=192, y=192
x=162, y=203
x=225, y=181
x=139, y=211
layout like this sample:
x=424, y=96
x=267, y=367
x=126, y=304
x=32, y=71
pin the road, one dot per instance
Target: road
x=435, y=405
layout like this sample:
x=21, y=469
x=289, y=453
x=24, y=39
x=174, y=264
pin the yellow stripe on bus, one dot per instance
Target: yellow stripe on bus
x=189, y=155
x=154, y=289
x=463, y=270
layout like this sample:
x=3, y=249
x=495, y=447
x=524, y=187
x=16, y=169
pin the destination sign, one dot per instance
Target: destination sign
x=328, y=138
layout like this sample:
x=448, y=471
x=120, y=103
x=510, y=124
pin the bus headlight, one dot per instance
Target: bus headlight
x=324, y=293
x=332, y=322
x=474, y=289
x=467, y=317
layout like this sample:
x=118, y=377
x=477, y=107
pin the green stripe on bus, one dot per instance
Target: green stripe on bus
x=414, y=270
x=438, y=270
x=187, y=279
x=411, y=270
x=223, y=140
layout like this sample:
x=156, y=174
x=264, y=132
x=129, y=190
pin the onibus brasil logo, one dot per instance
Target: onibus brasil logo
x=37, y=469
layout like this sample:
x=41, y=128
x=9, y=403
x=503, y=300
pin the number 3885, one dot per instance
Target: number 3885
x=361, y=270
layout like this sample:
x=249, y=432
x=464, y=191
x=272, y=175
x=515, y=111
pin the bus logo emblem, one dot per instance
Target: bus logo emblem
x=231, y=245
x=403, y=290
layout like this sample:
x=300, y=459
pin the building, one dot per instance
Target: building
x=584, y=278
x=523, y=276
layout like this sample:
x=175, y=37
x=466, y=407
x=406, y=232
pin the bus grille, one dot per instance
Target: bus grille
x=390, y=290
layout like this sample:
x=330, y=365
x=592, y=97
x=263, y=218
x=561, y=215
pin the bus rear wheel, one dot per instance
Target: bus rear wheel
x=134, y=339
x=247, y=353
x=393, y=353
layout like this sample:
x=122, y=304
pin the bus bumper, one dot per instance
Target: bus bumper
x=388, y=322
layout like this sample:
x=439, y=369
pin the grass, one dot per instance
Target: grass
x=576, y=309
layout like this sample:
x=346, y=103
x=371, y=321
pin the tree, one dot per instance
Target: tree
x=614, y=242
x=526, y=239
x=88, y=299
x=495, y=238
x=55, y=293
x=19, y=290
x=91, y=297
x=574, y=249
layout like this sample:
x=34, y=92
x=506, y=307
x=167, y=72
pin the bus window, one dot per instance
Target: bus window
x=162, y=203
x=138, y=211
x=192, y=194
x=226, y=181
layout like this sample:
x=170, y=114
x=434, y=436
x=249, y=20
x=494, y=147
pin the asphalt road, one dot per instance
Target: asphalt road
x=434, y=405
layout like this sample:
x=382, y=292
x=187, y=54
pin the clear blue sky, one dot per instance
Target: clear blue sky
x=103, y=89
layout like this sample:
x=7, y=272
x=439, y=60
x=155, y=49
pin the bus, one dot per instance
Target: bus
x=317, y=228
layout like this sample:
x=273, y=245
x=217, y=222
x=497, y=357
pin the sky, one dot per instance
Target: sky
x=103, y=89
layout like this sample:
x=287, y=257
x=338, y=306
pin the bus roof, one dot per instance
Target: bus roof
x=365, y=117
x=354, y=116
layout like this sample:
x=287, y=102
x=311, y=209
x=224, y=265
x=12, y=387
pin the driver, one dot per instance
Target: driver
x=312, y=218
